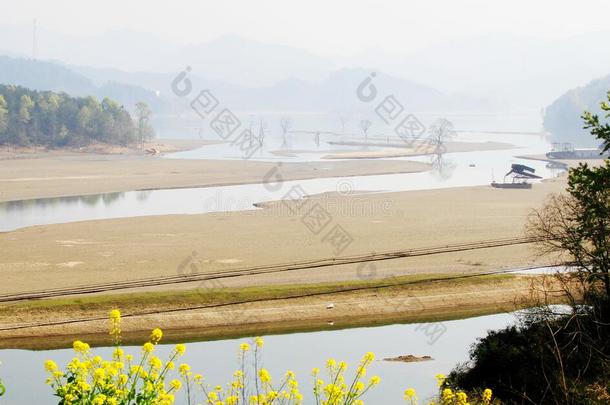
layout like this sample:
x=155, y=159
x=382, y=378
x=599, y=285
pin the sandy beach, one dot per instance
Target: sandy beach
x=133, y=248
x=64, y=175
x=401, y=150
x=94, y=150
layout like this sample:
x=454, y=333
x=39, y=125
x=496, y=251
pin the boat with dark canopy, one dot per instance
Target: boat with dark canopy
x=519, y=174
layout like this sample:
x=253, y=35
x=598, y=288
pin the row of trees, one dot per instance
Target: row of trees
x=29, y=117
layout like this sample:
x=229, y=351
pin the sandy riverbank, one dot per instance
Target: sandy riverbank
x=70, y=175
x=405, y=300
x=401, y=150
x=54, y=256
x=93, y=150
x=114, y=250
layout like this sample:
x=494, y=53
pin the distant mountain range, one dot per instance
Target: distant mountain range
x=43, y=75
x=337, y=92
x=518, y=72
x=228, y=58
x=513, y=72
x=562, y=117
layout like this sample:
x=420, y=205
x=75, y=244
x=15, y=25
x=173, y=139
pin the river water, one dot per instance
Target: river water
x=446, y=342
x=450, y=170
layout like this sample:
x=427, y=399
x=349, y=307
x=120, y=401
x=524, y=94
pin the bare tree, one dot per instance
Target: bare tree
x=343, y=119
x=569, y=232
x=439, y=133
x=251, y=124
x=262, y=131
x=285, y=125
x=365, y=125
x=144, y=129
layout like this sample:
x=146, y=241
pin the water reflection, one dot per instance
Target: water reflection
x=442, y=167
x=41, y=211
x=143, y=195
x=106, y=199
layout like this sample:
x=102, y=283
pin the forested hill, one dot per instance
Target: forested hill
x=29, y=117
x=562, y=118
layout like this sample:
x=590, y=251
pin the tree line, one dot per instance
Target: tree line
x=45, y=118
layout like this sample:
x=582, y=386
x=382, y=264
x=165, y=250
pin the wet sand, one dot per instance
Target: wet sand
x=71, y=175
x=393, y=150
x=114, y=250
x=37, y=173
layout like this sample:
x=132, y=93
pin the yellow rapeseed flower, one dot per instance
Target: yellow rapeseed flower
x=410, y=396
x=264, y=375
x=115, y=315
x=180, y=349
x=80, y=347
x=156, y=335
x=447, y=395
x=99, y=400
x=99, y=375
x=184, y=368
x=115, y=325
x=123, y=378
x=462, y=398
x=368, y=358
x=118, y=354
x=359, y=386
x=486, y=397
x=148, y=347
x=50, y=366
x=155, y=363
x=175, y=384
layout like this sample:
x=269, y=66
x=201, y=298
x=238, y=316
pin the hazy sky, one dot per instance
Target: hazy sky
x=323, y=26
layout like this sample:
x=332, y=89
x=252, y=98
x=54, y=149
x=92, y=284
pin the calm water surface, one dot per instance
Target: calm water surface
x=451, y=170
x=24, y=376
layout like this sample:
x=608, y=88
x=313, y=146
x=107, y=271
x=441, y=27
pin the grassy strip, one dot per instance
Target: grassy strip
x=413, y=285
x=218, y=295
